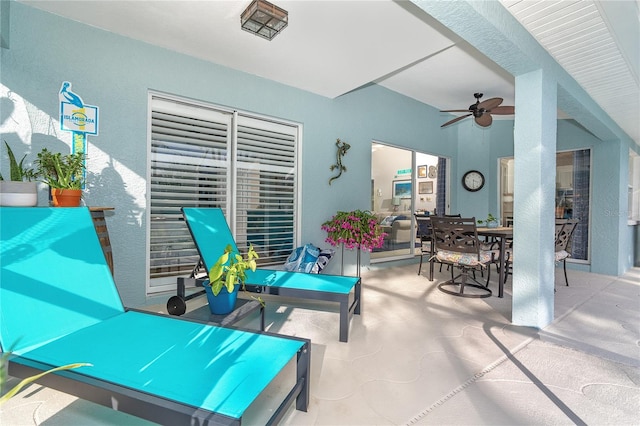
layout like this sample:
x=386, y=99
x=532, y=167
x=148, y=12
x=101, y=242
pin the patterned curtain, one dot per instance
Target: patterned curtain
x=581, y=177
x=441, y=193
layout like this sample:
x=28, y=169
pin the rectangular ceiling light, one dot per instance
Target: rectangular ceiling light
x=264, y=19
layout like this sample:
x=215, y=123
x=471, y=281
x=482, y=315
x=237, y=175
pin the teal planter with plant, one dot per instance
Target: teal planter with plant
x=18, y=191
x=224, y=302
x=226, y=276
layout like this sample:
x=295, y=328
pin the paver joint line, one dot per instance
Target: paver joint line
x=469, y=382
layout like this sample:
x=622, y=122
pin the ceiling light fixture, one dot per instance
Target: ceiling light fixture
x=264, y=19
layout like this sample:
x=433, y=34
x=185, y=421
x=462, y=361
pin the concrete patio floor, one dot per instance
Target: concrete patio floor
x=417, y=356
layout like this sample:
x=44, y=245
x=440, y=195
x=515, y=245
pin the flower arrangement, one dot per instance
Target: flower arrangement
x=355, y=229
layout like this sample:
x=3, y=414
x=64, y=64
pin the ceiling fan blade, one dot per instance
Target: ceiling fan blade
x=503, y=110
x=490, y=104
x=484, y=120
x=455, y=110
x=456, y=120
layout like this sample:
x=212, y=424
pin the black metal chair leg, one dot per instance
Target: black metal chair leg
x=420, y=267
x=566, y=280
x=463, y=280
x=506, y=271
x=489, y=274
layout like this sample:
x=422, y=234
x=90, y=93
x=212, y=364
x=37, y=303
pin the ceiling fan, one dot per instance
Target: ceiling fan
x=482, y=111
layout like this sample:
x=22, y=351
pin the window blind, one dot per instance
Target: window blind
x=201, y=157
x=265, y=192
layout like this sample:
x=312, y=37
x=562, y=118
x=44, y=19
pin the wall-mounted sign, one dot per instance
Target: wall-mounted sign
x=75, y=116
x=404, y=172
x=74, y=119
x=78, y=118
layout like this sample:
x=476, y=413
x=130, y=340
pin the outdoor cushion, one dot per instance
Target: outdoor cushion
x=323, y=260
x=561, y=255
x=302, y=259
x=469, y=259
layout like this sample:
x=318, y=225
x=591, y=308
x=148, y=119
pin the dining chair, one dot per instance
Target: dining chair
x=423, y=224
x=563, y=233
x=457, y=245
x=449, y=215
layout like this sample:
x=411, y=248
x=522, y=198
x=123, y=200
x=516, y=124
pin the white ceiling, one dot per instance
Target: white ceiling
x=333, y=47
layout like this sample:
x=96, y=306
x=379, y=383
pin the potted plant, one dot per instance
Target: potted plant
x=19, y=190
x=356, y=229
x=226, y=276
x=64, y=174
x=491, y=221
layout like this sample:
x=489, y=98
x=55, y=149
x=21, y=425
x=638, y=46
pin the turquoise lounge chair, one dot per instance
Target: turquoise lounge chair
x=211, y=235
x=59, y=305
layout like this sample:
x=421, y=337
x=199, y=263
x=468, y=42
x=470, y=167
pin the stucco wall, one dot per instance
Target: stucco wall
x=116, y=73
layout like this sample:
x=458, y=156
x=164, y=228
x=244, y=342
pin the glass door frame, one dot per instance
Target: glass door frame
x=502, y=181
x=377, y=193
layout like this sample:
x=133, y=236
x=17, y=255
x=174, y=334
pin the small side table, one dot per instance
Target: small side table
x=244, y=308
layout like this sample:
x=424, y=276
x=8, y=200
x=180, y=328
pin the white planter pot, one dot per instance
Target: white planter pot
x=18, y=194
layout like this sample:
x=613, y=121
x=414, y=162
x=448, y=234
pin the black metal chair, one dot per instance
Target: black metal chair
x=456, y=244
x=424, y=234
x=449, y=215
x=563, y=238
x=563, y=233
x=423, y=225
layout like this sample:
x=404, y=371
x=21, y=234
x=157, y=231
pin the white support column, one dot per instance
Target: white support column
x=534, y=190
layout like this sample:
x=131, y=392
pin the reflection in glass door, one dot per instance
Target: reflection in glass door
x=573, y=181
x=403, y=183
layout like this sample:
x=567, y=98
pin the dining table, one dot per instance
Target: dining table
x=501, y=234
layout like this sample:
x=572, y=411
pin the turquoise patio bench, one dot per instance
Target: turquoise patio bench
x=211, y=235
x=59, y=305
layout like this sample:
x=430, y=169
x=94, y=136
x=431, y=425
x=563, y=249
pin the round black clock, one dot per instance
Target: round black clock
x=473, y=181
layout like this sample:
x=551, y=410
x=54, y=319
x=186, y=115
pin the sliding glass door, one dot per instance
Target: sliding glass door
x=572, y=195
x=404, y=183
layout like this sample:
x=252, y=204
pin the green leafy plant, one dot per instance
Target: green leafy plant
x=490, y=218
x=61, y=171
x=4, y=362
x=18, y=172
x=231, y=269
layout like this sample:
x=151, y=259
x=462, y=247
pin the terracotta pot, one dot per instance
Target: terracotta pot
x=66, y=197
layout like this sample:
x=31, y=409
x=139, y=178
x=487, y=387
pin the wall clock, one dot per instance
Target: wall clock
x=473, y=181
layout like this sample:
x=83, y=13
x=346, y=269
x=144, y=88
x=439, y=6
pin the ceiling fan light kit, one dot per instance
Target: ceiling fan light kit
x=481, y=111
x=264, y=19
